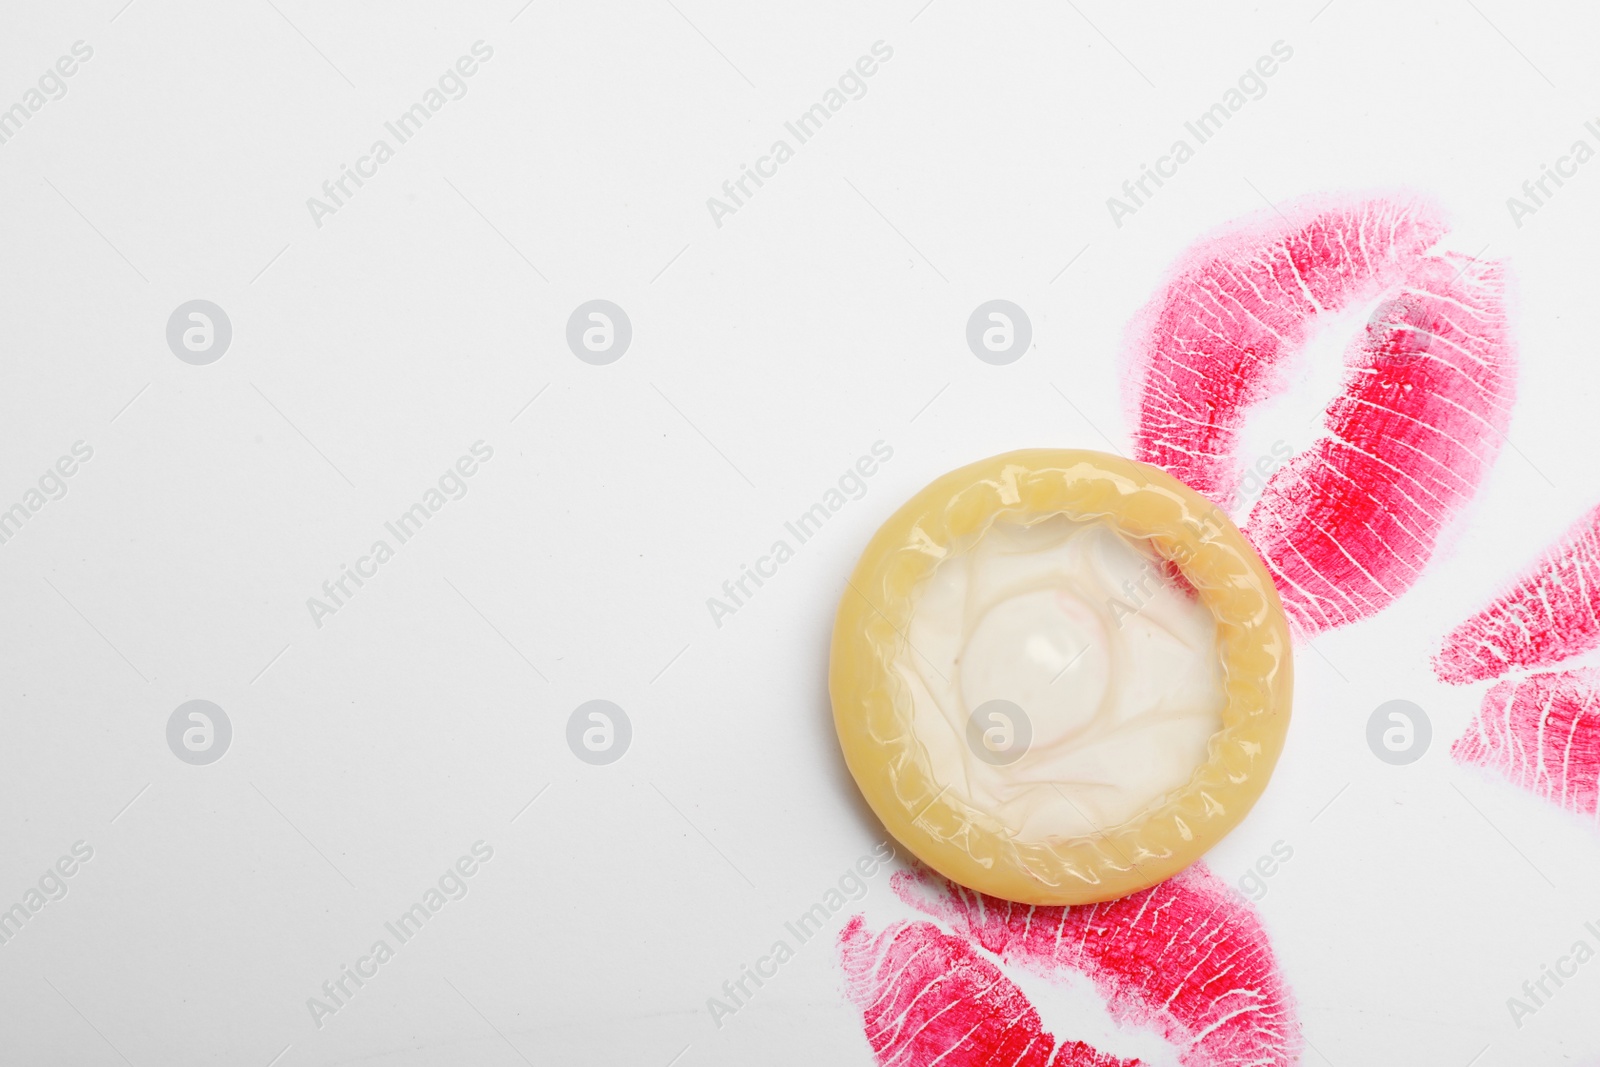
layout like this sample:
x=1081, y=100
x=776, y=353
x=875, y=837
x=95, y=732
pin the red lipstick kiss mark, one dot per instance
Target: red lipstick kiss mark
x=1540, y=732
x=1551, y=613
x=1347, y=525
x=1185, y=959
x=928, y=997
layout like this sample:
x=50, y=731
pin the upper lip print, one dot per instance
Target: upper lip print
x=1541, y=731
x=1550, y=614
x=1186, y=959
x=1348, y=524
x=1344, y=528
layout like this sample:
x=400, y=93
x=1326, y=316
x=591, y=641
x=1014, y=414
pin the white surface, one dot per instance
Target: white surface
x=768, y=355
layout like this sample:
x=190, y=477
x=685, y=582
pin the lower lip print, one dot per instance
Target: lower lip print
x=1552, y=612
x=1347, y=525
x=1541, y=733
x=1185, y=959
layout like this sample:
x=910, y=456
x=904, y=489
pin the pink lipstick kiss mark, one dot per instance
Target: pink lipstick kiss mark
x=1540, y=732
x=1347, y=525
x=929, y=997
x=1185, y=959
x=1551, y=613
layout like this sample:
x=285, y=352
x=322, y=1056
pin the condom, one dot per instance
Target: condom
x=1125, y=610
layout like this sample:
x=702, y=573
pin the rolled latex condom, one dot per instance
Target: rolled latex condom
x=1059, y=676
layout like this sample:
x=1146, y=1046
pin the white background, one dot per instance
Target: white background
x=767, y=355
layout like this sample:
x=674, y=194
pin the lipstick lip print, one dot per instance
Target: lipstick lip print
x=1347, y=525
x=1186, y=960
x=1549, y=614
x=1537, y=727
x=1541, y=733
